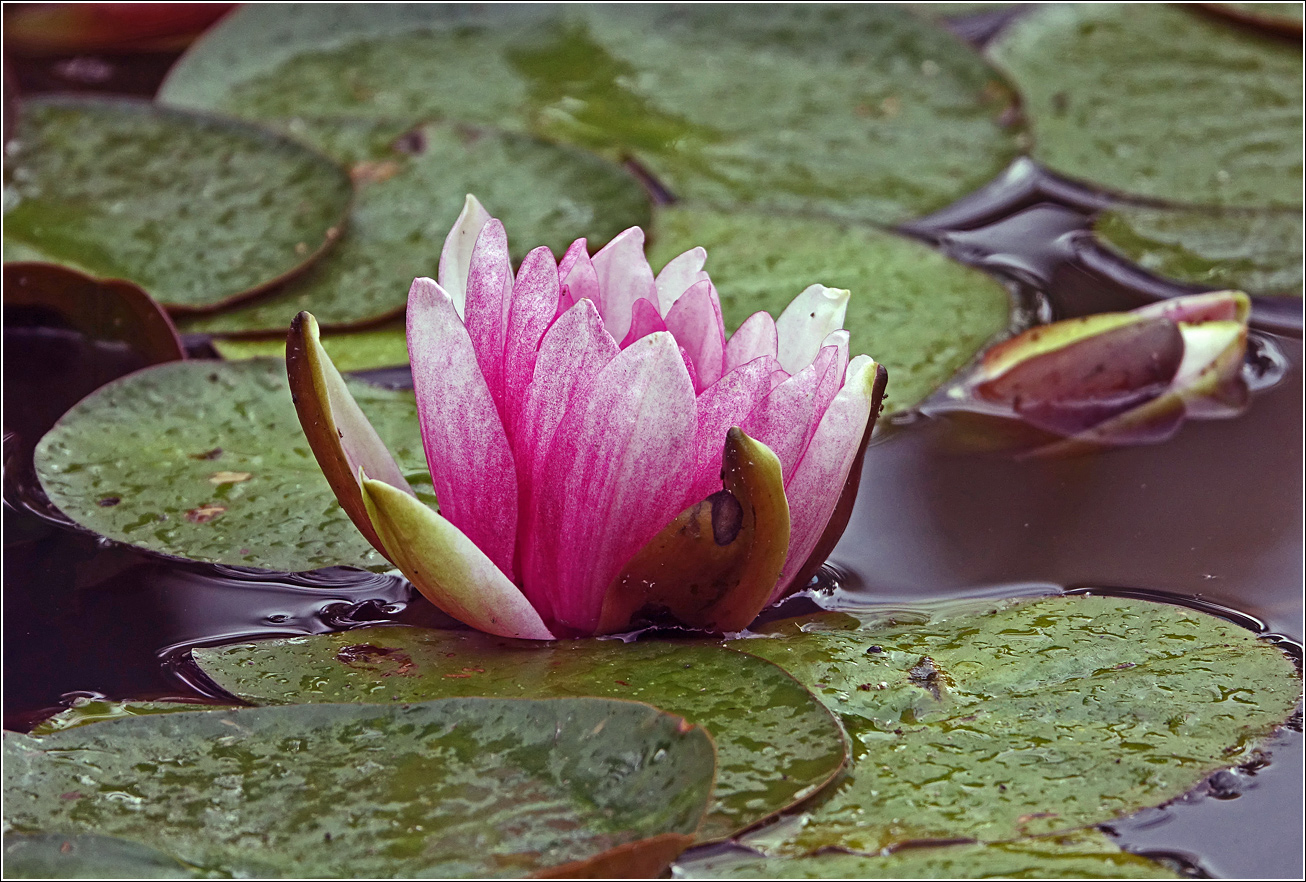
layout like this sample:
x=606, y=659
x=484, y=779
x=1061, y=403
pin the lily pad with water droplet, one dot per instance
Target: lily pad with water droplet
x=816, y=108
x=154, y=441
x=918, y=313
x=462, y=787
x=776, y=744
x=410, y=186
x=1258, y=251
x=1083, y=854
x=1160, y=101
x=197, y=210
x=1035, y=718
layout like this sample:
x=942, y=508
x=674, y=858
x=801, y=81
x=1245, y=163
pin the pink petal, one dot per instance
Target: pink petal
x=806, y=322
x=695, y=320
x=624, y=277
x=613, y=478
x=722, y=406
x=489, y=296
x=572, y=355
x=786, y=419
x=447, y=567
x=644, y=320
x=678, y=276
x=814, y=488
x=755, y=338
x=456, y=256
x=579, y=281
x=534, y=306
x=466, y=448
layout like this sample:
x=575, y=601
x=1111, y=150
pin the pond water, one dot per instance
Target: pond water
x=1212, y=518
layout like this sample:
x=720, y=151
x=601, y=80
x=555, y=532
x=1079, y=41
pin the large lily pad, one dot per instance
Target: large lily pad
x=464, y=787
x=818, y=108
x=776, y=744
x=1258, y=251
x=1083, y=854
x=1160, y=101
x=206, y=460
x=1039, y=717
x=916, y=312
x=195, y=209
x=410, y=188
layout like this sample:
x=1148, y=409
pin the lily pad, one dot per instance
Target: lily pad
x=1083, y=854
x=87, y=856
x=1160, y=101
x=918, y=313
x=1035, y=718
x=463, y=787
x=195, y=209
x=410, y=188
x=85, y=711
x=384, y=346
x=206, y=460
x=1257, y=251
x=814, y=108
x=776, y=744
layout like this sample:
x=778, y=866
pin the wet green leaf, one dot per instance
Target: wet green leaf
x=384, y=346
x=207, y=461
x=87, y=856
x=775, y=743
x=913, y=310
x=197, y=210
x=1039, y=717
x=814, y=108
x=410, y=188
x=1160, y=101
x=1083, y=854
x=1257, y=251
x=1284, y=18
x=85, y=711
x=464, y=787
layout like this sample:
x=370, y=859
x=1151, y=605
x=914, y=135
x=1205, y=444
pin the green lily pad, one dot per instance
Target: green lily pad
x=1038, y=717
x=195, y=209
x=776, y=745
x=1257, y=251
x=1160, y=101
x=463, y=787
x=384, y=346
x=793, y=107
x=85, y=711
x=410, y=188
x=87, y=856
x=1082, y=854
x=916, y=312
x=206, y=460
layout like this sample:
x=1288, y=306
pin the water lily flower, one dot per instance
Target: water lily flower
x=1115, y=378
x=602, y=454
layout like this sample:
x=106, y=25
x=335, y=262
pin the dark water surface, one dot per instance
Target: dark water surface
x=1212, y=518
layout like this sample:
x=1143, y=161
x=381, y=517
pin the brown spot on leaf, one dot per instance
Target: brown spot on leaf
x=109, y=501
x=71, y=794
x=208, y=454
x=383, y=660
x=372, y=172
x=229, y=477
x=204, y=513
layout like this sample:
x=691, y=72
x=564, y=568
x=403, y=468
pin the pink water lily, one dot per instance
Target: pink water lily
x=602, y=454
x=1115, y=378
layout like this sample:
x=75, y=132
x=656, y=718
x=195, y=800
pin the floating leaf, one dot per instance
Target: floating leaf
x=920, y=314
x=195, y=209
x=153, y=440
x=775, y=743
x=385, y=346
x=410, y=188
x=87, y=856
x=1039, y=717
x=815, y=108
x=1257, y=251
x=1083, y=854
x=85, y=711
x=1160, y=101
x=464, y=787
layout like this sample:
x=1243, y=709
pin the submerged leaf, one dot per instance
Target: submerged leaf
x=464, y=787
